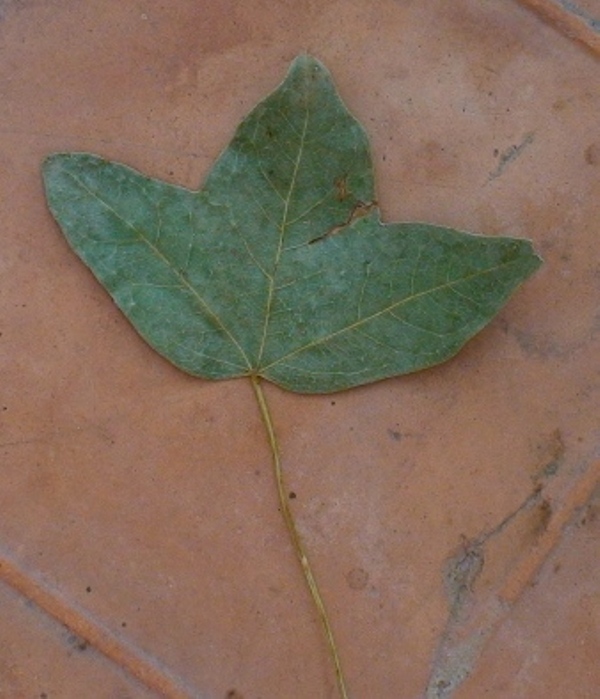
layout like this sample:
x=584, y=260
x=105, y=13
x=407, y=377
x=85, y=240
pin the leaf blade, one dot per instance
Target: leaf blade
x=280, y=266
x=113, y=224
x=397, y=329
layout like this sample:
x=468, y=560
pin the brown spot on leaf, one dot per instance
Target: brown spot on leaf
x=341, y=187
x=359, y=210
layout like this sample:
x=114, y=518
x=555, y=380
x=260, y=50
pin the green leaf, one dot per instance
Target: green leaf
x=280, y=266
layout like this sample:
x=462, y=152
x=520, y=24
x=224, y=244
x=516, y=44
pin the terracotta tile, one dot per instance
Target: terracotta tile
x=42, y=659
x=444, y=511
x=588, y=10
x=526, y=658
x=580, y=21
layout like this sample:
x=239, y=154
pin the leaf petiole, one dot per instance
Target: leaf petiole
x=295, y=535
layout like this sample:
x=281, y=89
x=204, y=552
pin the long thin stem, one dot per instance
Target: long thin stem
x=295, y=536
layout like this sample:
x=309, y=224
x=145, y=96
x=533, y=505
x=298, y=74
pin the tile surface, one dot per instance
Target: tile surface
x=452, y=515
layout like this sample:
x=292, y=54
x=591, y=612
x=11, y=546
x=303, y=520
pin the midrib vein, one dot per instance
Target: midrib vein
x=282, y=231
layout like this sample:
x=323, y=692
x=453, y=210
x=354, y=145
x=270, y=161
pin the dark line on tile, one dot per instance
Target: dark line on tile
x=574, y=9
x=510, y=155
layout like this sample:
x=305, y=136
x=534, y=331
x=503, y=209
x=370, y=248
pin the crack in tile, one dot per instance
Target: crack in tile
x=510, y=155
x=471, y=621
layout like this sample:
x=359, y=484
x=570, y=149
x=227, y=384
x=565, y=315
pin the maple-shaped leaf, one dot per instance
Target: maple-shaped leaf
x=280, y=267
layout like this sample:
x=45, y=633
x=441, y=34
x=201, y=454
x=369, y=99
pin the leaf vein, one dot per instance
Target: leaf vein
x=185, y=283
x=282, y=231
x=387, y=309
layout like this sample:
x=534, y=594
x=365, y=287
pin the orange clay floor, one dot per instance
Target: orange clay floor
x=452, y=516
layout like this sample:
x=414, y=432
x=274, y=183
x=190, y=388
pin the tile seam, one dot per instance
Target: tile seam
x=568, y=23
x=144, y=668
